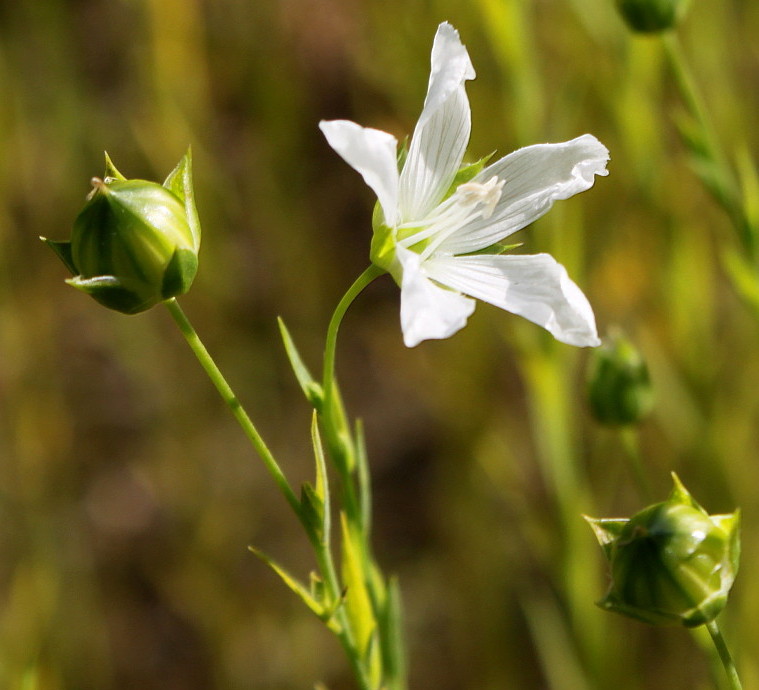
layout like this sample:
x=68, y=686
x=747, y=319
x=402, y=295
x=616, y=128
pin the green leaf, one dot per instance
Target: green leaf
x=393, y=645
x=358, y=603
x=606, y=530
x=469, y=172
x=311, y=389
x=681, y=495
x=496, y=249
x=179, y=182
x=312, y=512
x=364, y=479
x=111, y=173
x=322, y=480
x=295, y=585
x=63, y=251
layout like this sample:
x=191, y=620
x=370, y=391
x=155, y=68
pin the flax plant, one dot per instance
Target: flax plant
x=438, y=230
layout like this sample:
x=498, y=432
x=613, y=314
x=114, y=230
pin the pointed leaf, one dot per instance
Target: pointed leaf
x=179, y=182
x=322, y=480
x=111, y=173
x=393, y=645
x=63, y=250
x=295, y=585
x=606, y=530
x=312, y=512
x=311, y=389
x=497, y=248
x=364, y=479
x=681, y=495
x=96, y=285
x=731, y=523
x=357, y=601
x=469, y=172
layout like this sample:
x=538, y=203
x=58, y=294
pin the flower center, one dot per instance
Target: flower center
x=487, y=194
x=470, y=201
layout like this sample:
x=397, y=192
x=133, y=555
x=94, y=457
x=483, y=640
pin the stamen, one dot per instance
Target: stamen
x=488, y=194
x=469, y=201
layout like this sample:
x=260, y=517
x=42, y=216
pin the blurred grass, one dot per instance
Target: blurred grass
x=128, y=497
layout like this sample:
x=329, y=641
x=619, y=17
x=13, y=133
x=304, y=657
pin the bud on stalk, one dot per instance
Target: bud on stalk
x=619, y=386
x=135, y=243
x=652, y=16
x=672, y=563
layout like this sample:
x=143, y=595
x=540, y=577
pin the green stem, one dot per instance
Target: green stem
x=335, y=424
x=322, y=552
x=334, y=325
x=229, y=397
x=722, y=183
x=724, y=655
x=629, y=436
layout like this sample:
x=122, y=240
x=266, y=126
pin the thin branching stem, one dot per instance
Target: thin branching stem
x=724, y=655
x=229, y=397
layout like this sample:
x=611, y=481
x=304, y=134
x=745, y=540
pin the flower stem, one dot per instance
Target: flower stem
x=330, y=346
x=229, y=397
x=630, y=441
x=321, y=548
x=724, y=655
x=336, y=427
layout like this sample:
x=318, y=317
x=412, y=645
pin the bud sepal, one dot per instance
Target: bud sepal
x=672, y=563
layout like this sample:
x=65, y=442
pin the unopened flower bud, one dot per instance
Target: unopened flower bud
x=652, y=16
x=619, y=386
x=672, y=563
x=135, y=243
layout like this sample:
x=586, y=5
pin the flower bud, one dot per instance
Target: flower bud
x=135, y=243
x=652, y=16
x=619, y=387
x=672, y=563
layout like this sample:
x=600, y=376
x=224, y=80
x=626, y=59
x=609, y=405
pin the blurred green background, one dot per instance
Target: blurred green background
x=128, y=495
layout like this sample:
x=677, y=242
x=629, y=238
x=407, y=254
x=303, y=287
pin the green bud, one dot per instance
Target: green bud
x=135, y=243
x=619, y=386
x=672, y=563
x=652, y=16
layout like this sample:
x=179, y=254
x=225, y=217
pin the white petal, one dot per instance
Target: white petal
x=535, y=177
x=427, y=310
x=535, y=287
x=371, y=152
x=450, y=68
x=442, y=132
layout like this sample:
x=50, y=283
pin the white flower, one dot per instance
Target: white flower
x=436, y=217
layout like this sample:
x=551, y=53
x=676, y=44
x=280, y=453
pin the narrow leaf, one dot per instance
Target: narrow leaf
x=322, y=480
x=680, y=494
x=296, y=586
x=311, y=389
x=393, y=645
x=606, y=530
x=111, y=173
x=179, y=182
x=364, y=479
x=357, y=601
x=312, y=511
x=63, y=251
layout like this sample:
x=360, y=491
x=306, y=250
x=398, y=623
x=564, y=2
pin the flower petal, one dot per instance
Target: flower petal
x=533, y=286
x=371, y=152
x=535, y=177
x=442, y=132
x=427, y=310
